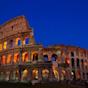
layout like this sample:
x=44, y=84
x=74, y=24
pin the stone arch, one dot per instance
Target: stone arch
x=35, y=74
x=45, y=73
x=45, y=57
x=35, y=57
x=53, y=57
x=72, y=53
x=25, y=57
x=25, y=74
x=3, y=59
x=16, y=58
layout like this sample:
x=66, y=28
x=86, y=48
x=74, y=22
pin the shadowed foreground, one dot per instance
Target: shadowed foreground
x=43, y=85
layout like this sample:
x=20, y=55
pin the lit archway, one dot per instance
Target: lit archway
x=35, y=57
x=25, y=74
x=35, y=74
x=9, y=57
x=18, y=41
x=3, y=60
x=16, y=58
x=56, y=74
x=63, y=74
x=25, y=57
x=45, y=73
x=78, y=74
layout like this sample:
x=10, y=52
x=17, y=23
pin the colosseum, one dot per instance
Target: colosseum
x=22, y=59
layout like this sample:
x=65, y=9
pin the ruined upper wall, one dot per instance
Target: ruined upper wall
x=14, y=26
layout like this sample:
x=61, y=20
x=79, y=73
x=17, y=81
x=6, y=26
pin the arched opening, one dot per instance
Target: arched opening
x=27, y=40
x=56, y=74
x=82, y=63
x=72, y=61
x=35, y=57
x=73, y=75
x=3, y=60
x=45, y=73
x=54, y=57
x=11, y=43
x=45, y=58
x=25, y=74
x=15, y=75
x=16, y=58
x=78, y=62
x=63, y=74
x=18, y=41
x=35, y=74
x=5, y=45
x=7, y=76
x=9, y=58
x=25, y=57
x=67, y=61
x=72, y=54
x=78, y=74
x=0, y=46
x=2, y=76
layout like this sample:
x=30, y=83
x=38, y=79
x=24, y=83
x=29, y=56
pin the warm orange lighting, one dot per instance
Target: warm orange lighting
x=45, y=72
x=16, y=58
x=35, y=73
x=0, y=47
x=18, y=41
x=5, y=45
x=9, y=59
x=25, y=57
x=3, y=60
x=56, y=74
x=23, y=42
x=67, y=61
x=24, y=74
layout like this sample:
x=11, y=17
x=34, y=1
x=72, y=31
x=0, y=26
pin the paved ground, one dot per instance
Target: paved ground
x=62, y=84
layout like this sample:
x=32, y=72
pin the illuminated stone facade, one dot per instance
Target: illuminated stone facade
x=21, y=59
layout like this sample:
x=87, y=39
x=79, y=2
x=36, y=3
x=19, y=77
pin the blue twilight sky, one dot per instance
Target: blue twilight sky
x=54, y=21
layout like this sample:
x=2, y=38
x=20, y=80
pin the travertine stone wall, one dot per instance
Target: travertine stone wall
x=14, y=26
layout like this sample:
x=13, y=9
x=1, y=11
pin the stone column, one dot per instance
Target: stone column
x=10, y=77
x=29, y=56
x=75, y=67
x=20, y=72
x=39, y=74
x=20, y=56
x=12, y=58
x=0, y=60
x=81, y=72
x=50, y=74
x=30, y=74
x=70, y=66
x=60, y=72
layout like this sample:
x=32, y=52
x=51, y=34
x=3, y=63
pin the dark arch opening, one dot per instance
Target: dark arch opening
x=72, y=60
x=35, y=57
x=72, y=54
x=45, y=58
x=54, y=57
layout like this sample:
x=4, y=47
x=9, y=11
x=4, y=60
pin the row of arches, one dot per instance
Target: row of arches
x=14, y=58
x=45, y=74
x=25, y=58
x=16, y=42
x=53, y=57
